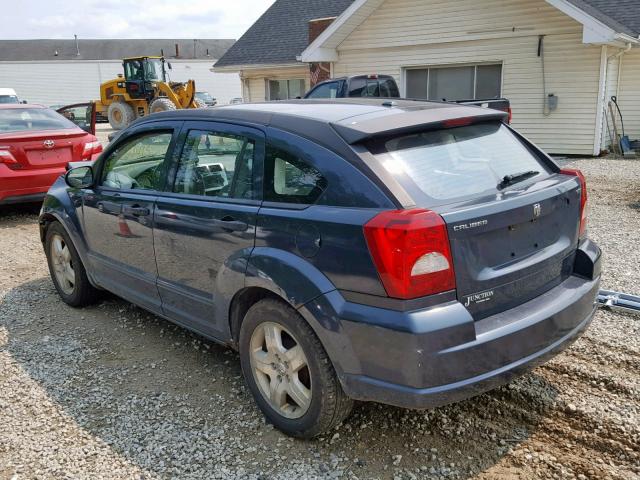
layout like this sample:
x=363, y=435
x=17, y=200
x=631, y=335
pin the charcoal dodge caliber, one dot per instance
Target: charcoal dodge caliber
x=402, y=252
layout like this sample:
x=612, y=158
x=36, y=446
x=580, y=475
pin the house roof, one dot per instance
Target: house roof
x=621, y=15
x=94, y=49
x=281, y=33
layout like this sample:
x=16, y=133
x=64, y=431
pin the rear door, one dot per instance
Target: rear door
x=118, y=212
x=205, y=222
x=509, y=243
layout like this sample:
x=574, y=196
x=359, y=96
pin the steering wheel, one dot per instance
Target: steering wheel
x=145, y=180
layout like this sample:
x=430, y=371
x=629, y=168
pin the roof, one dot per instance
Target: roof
x=621, y=15
x=353, y=119
x=281, y=33
x=94, y=49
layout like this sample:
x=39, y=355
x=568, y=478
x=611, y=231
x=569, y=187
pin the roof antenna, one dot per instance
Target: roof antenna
x=77, y=46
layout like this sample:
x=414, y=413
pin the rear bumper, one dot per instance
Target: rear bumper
x=23, y=186
x=440, y=355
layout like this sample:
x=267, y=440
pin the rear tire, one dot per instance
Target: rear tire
x=66, y=269
x=161, y=105
x=120, y=115
x=276, y=380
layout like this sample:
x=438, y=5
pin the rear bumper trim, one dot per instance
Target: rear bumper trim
x=362, y=387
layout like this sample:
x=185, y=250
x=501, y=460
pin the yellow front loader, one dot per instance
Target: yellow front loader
x=142, y=90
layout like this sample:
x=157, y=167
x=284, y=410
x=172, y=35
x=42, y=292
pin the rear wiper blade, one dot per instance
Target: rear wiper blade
x=515, y=178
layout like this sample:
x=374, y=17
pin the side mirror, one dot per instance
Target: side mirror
x=80, y=177
x=23, y=101
x=169, y=65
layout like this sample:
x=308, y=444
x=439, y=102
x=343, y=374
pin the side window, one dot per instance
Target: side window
x=326, y=90
x=137, y=163
x=216, y=164
x=291, y=180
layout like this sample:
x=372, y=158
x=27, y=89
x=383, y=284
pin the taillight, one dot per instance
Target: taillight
x=510, y=112
x=91, y=148
x=410, y=249
x=583, y=197
x=6, y=156
x=457, y=122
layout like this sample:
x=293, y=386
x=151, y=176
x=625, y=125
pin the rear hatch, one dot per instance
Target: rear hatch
x=511, y=238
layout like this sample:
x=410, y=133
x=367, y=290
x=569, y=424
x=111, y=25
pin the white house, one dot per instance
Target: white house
x=558, y=61
x=59, y=72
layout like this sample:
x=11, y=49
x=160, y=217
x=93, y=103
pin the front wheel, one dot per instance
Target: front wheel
x=66, y=269
x=289, y=372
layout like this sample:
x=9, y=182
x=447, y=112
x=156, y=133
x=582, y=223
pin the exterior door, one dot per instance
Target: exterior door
x=82, y=114
x=205, y=223
x=118, y=213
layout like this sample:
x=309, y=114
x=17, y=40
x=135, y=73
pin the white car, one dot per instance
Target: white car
x=8, y=95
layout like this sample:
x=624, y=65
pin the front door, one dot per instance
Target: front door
x=82, y=114
x=205, y=223
x=118, y=213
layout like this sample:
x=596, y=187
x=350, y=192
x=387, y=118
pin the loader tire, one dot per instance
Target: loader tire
x=120, y=115
x=161, y=105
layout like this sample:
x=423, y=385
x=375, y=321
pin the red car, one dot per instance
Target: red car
x=36, y=143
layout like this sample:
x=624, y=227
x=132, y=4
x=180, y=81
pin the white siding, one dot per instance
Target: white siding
x=60, y=82
x=256, y=80
x=629, y=94
x=413, y=22
x=437, y=32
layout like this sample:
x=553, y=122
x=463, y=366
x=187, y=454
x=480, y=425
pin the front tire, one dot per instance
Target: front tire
x=120, y=115
x=161, y=105
x=66, y=269
x=289, y=373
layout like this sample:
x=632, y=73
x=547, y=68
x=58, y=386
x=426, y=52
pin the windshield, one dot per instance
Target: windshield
x=18, y=119
x=456, y=163
x=204, y=96
x=9, y=99
x=153, y=69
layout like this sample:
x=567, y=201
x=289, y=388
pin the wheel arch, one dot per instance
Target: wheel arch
x=275, y=273
x=49, y=216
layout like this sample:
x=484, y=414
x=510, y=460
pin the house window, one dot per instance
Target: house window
x=468, y=82
x=285, y=89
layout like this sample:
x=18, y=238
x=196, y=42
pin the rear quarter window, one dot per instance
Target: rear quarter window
x=289, y=179
x=456, y=163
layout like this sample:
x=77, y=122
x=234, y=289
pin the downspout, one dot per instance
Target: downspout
x=619, y=56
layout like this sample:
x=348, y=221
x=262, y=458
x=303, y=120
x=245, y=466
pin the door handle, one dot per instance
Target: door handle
x=230, y=224
x=136, y=210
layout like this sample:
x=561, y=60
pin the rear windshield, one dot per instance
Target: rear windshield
x=365, y=87
x=17, y=119
x=457, y=163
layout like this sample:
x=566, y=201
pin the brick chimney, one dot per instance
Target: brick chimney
x=319, y=72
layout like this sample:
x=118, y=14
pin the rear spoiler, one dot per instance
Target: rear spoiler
x=405, y=121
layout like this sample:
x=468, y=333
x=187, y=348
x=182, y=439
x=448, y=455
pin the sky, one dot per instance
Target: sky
x=129, y=18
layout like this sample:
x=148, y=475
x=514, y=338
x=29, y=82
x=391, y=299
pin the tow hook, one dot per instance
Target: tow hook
x=619, y=302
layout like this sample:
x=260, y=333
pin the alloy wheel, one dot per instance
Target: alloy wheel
x=62, y=264
x=281, y=370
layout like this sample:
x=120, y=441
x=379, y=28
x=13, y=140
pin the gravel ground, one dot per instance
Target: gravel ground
x=111, y=391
